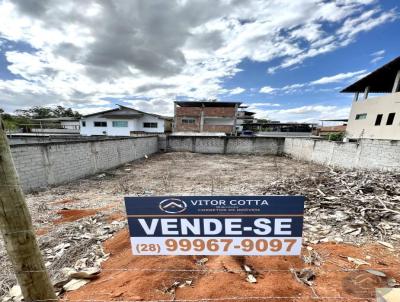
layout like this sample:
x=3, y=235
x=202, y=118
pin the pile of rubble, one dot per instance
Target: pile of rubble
x=347, y=206
x=72, y=260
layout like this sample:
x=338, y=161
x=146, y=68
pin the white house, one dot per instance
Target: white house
x=376, y=117
x=122, y=121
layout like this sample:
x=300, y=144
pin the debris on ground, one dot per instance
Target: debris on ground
x=250, y=274
x=89, y=273
x=74, y=284
x=313, y=257
x=376, y=273
x=392, y=282
x=357, y=262
x=77, y=245
x=305, y=275
x=344, y=209
x=386, y=244
x=347, y=206
x=15, y=294
x=171, y=290
x=202, y=261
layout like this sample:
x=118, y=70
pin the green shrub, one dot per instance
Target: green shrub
x=336, y=136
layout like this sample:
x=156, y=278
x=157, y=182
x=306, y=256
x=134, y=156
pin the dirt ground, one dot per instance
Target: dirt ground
x=125, y=277
x=147, y=278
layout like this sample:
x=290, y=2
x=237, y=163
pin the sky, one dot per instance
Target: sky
x=287, y=60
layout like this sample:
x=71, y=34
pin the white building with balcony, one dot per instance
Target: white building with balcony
x=376, y=117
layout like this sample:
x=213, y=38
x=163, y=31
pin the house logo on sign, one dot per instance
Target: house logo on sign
x=173, y=206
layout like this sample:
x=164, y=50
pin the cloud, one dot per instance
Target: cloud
x=307, y=114
x=264, y=104
x=365, y=22
x=378, y=53
x=82, y=52
x=267, y=89
x=294, y=86
x=237, y=90
x=338, y=77
x=322, y=42
x=163, y=107
x=377, y=56
x=90, y=110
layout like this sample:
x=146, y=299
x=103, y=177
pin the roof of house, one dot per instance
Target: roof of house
x=206, y=104
x=57, y=119
x=379, y=81
x=335, y=120
x=285, y=124
x=250, y=112
x=123, y=112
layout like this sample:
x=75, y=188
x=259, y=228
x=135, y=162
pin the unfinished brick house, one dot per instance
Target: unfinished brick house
x=206, y=117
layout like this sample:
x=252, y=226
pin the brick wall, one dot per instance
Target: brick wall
x=219, y=111
x=188, y=111
x=218, y=128
x=208, y=111
x=366, y=154
x=195, y=112
x=43, y=164
x=187, y=127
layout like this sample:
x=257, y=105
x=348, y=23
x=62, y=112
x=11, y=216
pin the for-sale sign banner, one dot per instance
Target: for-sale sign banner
x=215, y=225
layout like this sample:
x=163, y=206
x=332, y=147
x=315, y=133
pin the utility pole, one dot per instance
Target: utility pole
x=19, y=236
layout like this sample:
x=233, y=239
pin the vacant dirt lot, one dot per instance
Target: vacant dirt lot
x=333, y=230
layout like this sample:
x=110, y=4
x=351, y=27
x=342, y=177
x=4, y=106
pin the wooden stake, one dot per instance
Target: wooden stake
x=16, y=228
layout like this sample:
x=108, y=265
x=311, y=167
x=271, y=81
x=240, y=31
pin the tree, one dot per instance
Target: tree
x=35, y=112
x=60, y=111
x=24, y=117
x=39, y=112
x=8, y=120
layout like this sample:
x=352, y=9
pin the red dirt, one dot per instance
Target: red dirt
x=331, y=280
x=72, y=215
x=65, y=201
x=116, y=216
x=42, y=231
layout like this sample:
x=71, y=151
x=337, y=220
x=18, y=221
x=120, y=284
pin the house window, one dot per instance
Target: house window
x=100, y=124
x=378, y=119
x=150, y=125
x=361, y=116
x=390, y=118
x=188, y=120
x=120, y=124
x=83, y=123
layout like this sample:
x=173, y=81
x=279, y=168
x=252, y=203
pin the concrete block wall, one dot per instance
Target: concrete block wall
x=44, y=164
x=226, y=144
x=162, y=142
x=383, y=154
x=366, y=154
